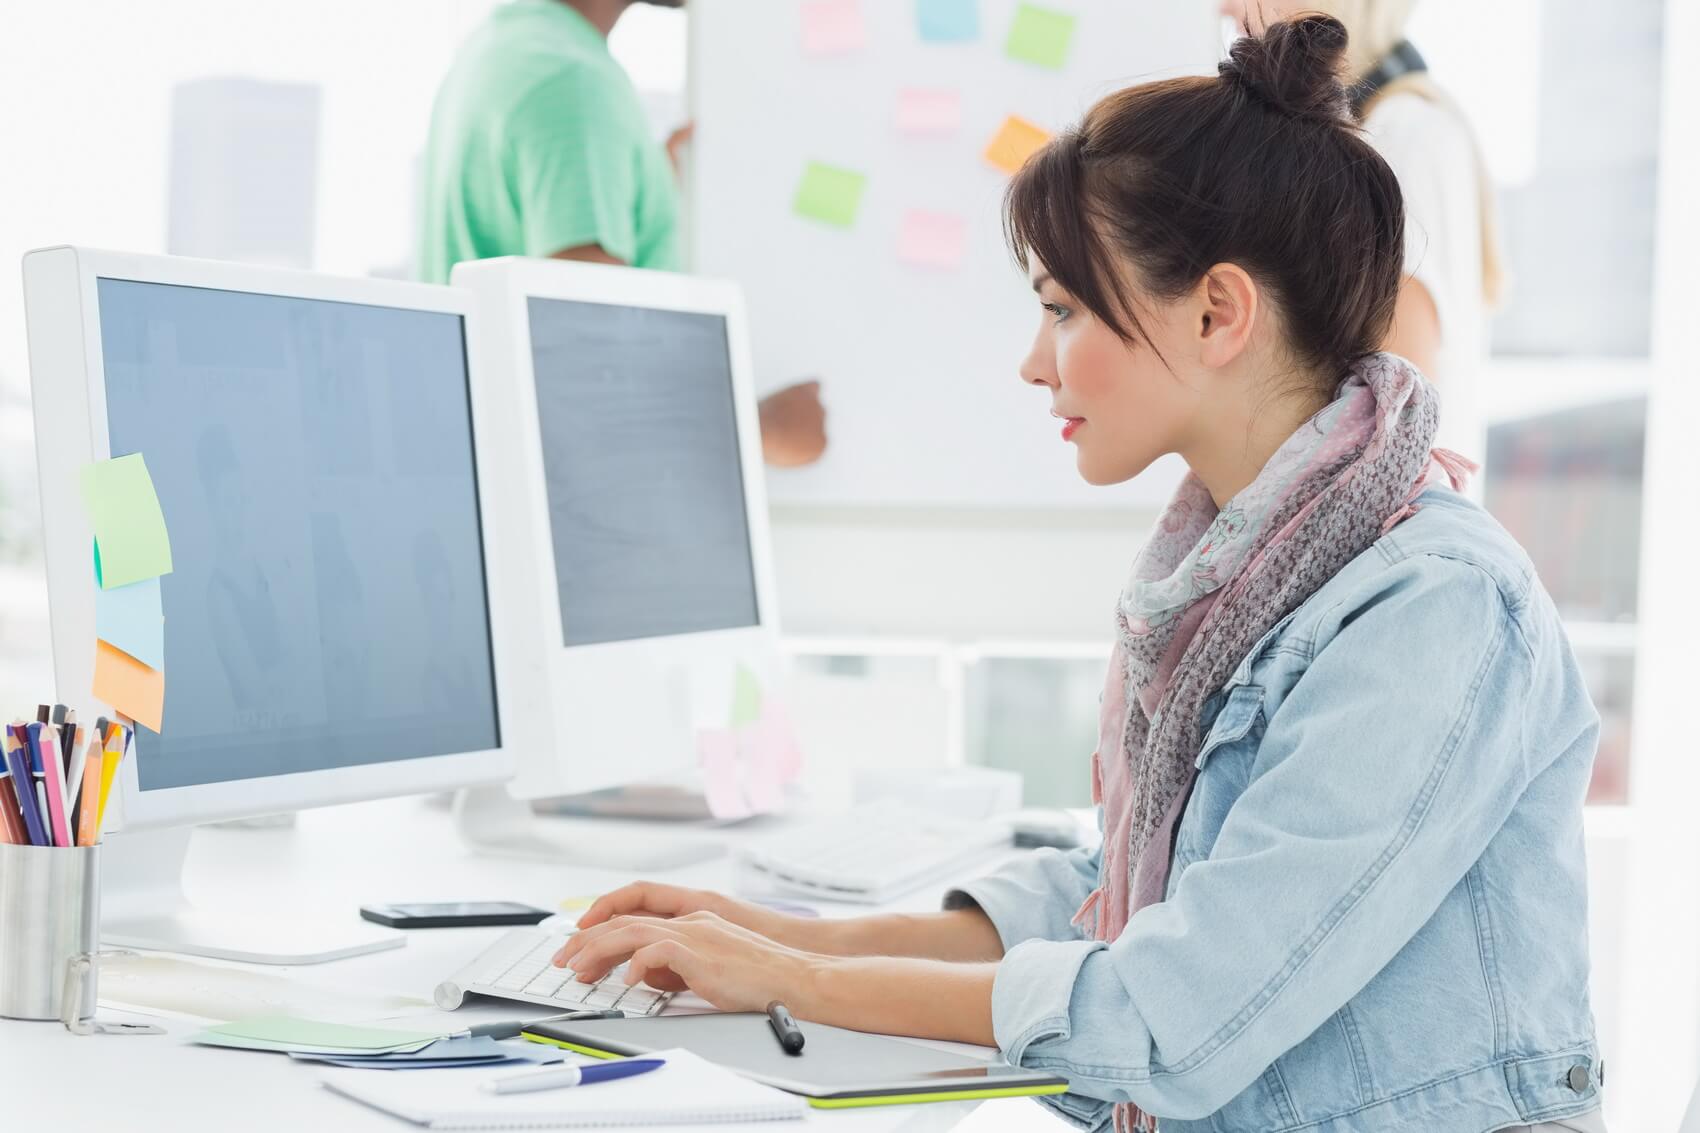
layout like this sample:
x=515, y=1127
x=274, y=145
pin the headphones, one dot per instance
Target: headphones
x=1402, y=60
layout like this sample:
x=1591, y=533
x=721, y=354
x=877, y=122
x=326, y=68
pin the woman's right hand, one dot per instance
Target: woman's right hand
x=652, y=899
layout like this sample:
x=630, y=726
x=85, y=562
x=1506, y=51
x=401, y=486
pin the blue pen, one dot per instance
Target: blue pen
x=559, y=1077
x=23, y=784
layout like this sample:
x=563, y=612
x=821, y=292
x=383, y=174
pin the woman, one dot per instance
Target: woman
x=1343, y=743
x=1454, y=269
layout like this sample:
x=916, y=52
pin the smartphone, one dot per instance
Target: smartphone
x=453, y=914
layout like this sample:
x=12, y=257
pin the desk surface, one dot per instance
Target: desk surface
x=328, y=864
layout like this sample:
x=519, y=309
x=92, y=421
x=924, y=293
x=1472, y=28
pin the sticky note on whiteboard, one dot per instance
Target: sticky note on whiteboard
x=829, y=194
x=1015, y=142
x=923, y=110
x=932, y=239
x=129, y=686
x=833, y=27
x=1040, y=36
x=947, y=21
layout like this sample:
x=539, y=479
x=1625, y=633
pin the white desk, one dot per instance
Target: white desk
x=333, y=861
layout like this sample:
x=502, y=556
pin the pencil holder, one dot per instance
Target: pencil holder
x=49, y=912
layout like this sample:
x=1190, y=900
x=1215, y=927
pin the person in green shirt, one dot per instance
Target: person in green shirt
x=539, y=147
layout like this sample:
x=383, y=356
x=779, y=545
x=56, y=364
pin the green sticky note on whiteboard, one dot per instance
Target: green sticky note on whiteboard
x=829, y=194
x=129, y=528
x=1040, y=36
x=746, y=698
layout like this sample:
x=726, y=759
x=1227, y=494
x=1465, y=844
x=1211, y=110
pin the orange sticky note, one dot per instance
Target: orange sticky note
x=129, y=686
x=1015, y=142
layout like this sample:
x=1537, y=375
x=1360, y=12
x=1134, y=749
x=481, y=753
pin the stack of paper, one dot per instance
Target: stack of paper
x=286, y=1034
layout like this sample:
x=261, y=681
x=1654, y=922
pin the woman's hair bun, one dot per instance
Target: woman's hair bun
x=1295, y=67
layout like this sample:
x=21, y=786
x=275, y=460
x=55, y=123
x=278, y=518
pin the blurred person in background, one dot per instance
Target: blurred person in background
x=539, y=147
x=1455, y=272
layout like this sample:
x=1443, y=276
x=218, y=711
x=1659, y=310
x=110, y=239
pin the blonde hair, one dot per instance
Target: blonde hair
x=1374, y=28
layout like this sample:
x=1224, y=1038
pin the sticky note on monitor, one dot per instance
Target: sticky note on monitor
x=829, y=194
x=924, y=110
x=1015, y=142
x=1040, y=36
x=833, y=27
x=131, y=618
x=129, y=686
x=947, y=21
x=932, y=239
x=129, y=527
x=746, y=697
x=717, y=754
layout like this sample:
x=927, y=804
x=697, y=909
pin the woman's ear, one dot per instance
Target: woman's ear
x=1227, y=306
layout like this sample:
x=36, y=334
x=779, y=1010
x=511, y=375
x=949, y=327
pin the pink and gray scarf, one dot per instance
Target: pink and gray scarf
x=1210, y=583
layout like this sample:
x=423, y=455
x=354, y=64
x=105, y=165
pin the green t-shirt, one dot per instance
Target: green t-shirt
x=539, y=143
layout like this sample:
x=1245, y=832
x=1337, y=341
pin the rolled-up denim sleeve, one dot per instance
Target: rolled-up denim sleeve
x=1378, y=782
x=1035, y=896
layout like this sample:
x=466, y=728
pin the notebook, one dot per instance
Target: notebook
x=687, y=1091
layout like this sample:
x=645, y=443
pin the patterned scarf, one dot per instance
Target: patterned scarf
x=1209, y=584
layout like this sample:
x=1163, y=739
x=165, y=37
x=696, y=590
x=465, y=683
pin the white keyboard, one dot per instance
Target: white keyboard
x=873, y=853
x=517, y=967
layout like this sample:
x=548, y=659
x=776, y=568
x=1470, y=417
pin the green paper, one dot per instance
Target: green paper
x=829, y=194
x=746, y=698
x=284, y=1032
x=1040, y=36
x=129, y=529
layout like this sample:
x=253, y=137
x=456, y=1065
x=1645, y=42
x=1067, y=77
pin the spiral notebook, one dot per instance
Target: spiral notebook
x=689, y=1090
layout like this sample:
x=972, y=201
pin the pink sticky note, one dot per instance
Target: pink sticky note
x=833, y=27
x=922, y=110
x=932, y=239
x=717, y=751
x=763, y=782
x=778, y=740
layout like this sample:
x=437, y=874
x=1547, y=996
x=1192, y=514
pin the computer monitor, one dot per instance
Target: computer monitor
x=336, y=623
x=634, y=421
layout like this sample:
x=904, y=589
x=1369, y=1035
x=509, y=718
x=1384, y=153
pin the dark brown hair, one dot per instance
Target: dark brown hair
x=1261, y=166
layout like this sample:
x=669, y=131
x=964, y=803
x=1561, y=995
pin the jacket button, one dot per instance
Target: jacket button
x=1601, y=1072
x=1578, y=1078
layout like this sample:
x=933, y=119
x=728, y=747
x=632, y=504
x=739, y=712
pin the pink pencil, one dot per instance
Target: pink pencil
x=54, y=780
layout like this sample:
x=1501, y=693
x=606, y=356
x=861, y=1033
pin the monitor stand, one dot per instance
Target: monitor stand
x=143, y=906
x=494, y=822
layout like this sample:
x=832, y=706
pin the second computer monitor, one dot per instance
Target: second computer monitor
x=637, y=444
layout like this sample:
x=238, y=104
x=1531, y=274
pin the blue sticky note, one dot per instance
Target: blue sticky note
x=948, y=21
x=130, y=618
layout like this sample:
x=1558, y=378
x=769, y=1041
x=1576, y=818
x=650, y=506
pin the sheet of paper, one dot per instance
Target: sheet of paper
x=129, y=527
x=298, y=1033
x=829, y=194
x=717, y=751
x=1040, y=36
x=746, y=697
x=932, y=239
x=948, y=21
x=833, y=27
x=129, y=686
x=1014, y=143
x=923, y=110
x=131, y=618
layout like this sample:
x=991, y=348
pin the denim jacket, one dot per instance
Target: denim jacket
x=1376, y=917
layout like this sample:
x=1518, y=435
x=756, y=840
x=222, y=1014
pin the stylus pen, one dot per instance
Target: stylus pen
x=559, y=1077
x=784, y=1028
x=513, y=1028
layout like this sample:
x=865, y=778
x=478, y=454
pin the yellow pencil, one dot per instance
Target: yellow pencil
x=115, y=745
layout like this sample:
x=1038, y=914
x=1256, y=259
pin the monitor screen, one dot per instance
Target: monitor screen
x=314, y=463
x=640, y=455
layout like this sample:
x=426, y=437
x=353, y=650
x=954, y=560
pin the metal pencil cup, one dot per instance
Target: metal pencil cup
x=49, y=912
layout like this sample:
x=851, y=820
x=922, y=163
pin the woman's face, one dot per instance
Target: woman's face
x=1118, y=404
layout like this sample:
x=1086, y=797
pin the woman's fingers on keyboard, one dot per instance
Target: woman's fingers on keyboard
x=584, y=937
x=610, y=944
x=646, y=898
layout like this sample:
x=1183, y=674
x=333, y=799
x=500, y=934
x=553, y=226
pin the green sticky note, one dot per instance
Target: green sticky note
x=129, y=528
x=286, y=1032
x=1040, y=35
x=746, y=698
x=829, y=194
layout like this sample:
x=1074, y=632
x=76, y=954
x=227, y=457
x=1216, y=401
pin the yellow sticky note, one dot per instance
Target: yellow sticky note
x=129, y=527
x=129, y=686
x=1040, y=35
x=829, y=194
x=1016, y=141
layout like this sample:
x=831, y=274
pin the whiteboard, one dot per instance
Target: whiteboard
x=918, y=364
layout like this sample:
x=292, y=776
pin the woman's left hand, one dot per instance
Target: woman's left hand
x=732, y=967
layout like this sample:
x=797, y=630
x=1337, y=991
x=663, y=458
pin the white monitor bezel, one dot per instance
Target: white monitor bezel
x=68, y=383
x=502, y=286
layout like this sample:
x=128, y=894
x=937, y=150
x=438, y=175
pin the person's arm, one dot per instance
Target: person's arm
x=587, y=253
x=1415, y=333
